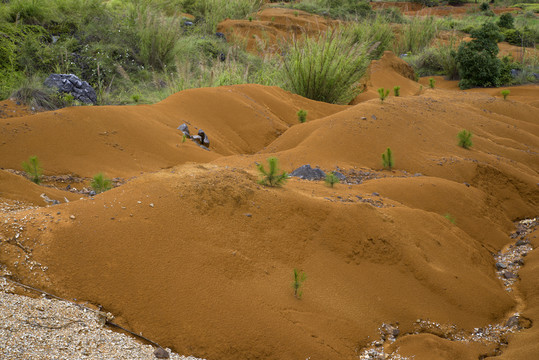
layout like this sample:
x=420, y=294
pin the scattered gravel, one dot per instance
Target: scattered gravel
x=51, y=329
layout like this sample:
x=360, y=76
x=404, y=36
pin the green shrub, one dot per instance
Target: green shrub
x=100, y=183
x=383, y=93
x=273, y=176
x=327, y=68
x=331, y=179
x=465, y=139
x=484, y=6
x=505, y=93
x=299, y=278
x=477, y=61
x=431, y=83
x=387, y=159
x=302, y=115
x=506, y=21
x=33, y=169
x=396, y=90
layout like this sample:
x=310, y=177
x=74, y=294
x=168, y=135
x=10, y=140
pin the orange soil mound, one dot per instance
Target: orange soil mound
x=125, y=141
x=14, y=187
x=388, y=72
x=199, y=257
x=10, y=109
x=272, y=26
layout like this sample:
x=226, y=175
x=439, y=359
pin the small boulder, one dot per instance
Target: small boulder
x=161, y=353
x=306, y=172
x=184, y=129
x=71, y=84
x=509, y=275
x=500, y=266
x=340, y=176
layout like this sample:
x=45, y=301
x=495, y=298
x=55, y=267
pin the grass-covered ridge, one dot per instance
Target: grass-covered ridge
x=141, y=51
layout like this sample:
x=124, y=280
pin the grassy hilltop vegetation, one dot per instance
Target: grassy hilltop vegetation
x=141, y=51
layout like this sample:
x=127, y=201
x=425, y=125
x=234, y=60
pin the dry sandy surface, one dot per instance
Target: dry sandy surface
x=191, y=252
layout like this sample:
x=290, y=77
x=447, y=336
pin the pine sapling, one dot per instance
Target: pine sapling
x=465, y=139
x=299, y=278
x=273, y=176
x=331, y=179
x=387, y=159
x=33, y=169
x=100, y=183
x=396, y=90
x=302, y=115
x=383, y=94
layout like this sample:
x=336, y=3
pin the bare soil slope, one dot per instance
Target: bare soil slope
x=197, y=256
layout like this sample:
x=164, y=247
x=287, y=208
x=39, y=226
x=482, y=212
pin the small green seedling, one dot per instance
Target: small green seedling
x=271, y=177
x=299, y=278
x=33, y=169
x=450, y=217
x=302, y=115
x=296, y=13
x=431, y=83
x=331, y=179
x=396, y=90
x=135, y=98
x=505, y=93
x=272, y=18
x=184, y=137
x=383, y=94
x=250, y=18
x=387, y=159
x=465, y=139
x=100, y=183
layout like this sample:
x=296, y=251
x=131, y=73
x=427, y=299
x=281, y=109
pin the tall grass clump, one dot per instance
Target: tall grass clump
x=396, y=90
x=439, y=59
x=416, y=35
x=375, y=32
x=33, y=169
x=326, y=68
x=272, y=176
x=157, y=35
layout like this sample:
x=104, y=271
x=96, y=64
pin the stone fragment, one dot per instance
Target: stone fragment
x=500, y=266
x=509, y=275
x=306, y=172
x=161, y=353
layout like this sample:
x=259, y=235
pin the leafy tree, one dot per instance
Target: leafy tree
x=331, y=179
x=271, y=177
x=477, y=61
x=33, y=169
x=506, y=21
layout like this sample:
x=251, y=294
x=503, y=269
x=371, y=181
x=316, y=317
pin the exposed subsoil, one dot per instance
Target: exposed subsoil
x=194, y=254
